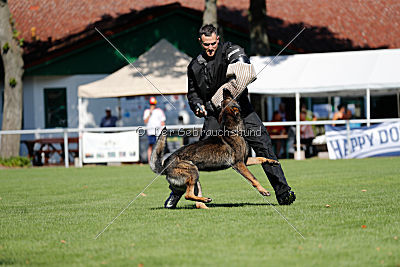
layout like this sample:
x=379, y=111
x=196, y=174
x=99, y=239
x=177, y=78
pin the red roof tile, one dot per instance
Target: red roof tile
x=353, y=23
x=60, y=18
x=364, y=22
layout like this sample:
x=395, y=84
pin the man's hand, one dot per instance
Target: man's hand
x=201, y=111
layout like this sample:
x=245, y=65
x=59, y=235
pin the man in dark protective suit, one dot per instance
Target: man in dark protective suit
x=225, y=65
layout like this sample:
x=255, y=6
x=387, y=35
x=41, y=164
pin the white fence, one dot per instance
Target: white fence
x=66, y=131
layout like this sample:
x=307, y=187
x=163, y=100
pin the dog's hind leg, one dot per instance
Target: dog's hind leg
x=191, y=181
x=241, y=168
x=260, y=160
x=187, y=173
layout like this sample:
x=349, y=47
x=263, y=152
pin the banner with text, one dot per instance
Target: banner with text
x=377, y=140
x=110, y=147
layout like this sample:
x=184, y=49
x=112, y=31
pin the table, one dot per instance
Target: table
x=48, y=147
x=280, y=138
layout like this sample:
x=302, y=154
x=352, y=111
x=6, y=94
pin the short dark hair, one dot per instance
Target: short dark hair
x=340, y=106
x=207, y=30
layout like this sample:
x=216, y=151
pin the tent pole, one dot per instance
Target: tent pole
x=80, y=132
x=270, y=108
x=263, y=118
x=298, y=148
x=368, y=107
x=119, y=108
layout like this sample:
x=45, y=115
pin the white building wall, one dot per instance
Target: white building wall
x=29, y=104
x=93, y=109
x=34, y=100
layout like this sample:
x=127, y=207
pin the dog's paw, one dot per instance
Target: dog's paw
x=207, y=200
x=200, y=205
x=271, y=162
x=265, y=193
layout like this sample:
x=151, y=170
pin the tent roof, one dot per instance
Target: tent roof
x=322, y=74
x=163, y=65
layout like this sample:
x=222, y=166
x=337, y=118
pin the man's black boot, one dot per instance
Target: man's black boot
x=172, y=200
x=286, y=198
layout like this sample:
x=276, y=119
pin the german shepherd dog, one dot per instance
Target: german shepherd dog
x=214, y=153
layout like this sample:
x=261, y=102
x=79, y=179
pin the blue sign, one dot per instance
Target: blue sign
x=377, y=140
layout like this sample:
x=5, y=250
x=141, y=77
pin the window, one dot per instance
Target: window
x=55, y=107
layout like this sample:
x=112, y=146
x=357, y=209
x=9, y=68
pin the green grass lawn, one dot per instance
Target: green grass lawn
x=50, y=216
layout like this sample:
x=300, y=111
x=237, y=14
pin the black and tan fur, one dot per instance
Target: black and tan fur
x=214, y=153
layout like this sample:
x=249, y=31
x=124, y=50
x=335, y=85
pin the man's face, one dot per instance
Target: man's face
x=209, y=44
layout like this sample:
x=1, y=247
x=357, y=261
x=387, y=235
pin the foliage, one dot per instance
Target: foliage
x=6, y=47
x=13, y=82
x=50, y=216
x=15, y=33
x=15, y=162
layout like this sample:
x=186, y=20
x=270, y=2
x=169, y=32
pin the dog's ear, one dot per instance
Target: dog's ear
x=227, y=94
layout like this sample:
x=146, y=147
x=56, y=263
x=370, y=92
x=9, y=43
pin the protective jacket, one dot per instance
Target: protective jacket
x=206, y=75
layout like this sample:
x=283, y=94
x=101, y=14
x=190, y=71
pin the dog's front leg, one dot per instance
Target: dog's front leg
x=260, y=160
x=241, y=168
x=199, y=205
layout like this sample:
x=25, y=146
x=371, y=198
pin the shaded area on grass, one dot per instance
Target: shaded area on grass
x=220, y=205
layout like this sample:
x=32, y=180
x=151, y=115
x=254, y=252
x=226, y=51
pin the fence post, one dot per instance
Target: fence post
x=80, y=132
x=348, y=136
x=66, y=152
x=368, y=107
x=298, y=143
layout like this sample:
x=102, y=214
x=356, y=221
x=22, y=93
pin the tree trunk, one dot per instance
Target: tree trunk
x=13, y=63
x=210, y=13
x=258, y=28
x=210, y=16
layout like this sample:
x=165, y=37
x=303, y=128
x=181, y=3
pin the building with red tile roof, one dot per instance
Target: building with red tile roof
x=344, y=25
x=62, y=50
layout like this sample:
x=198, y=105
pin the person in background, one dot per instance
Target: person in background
x=349, y=116
x=340, y=114
x=310, y=116
x=282, y=111
x=109, y=120
x=277, y=130
x=306, y=135
x=154, y=118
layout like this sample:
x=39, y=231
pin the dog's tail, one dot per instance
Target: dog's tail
x=156, y=160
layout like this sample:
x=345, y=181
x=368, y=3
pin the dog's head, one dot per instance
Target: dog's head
x=230, y=108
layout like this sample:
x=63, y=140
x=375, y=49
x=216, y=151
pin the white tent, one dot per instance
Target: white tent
x=339, y=73
x=324, y=74
x=161, y=70
x=164, y=70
